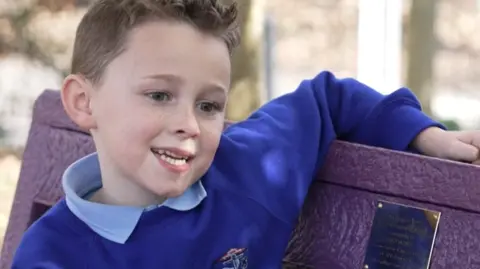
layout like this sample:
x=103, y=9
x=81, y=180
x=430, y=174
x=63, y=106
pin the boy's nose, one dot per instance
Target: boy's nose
x=186, y=125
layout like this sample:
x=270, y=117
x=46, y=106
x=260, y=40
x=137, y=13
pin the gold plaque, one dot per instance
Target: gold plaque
x=401, y=237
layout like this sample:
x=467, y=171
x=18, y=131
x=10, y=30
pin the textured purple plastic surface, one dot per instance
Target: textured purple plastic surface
x=54, y=142
x=334, y=227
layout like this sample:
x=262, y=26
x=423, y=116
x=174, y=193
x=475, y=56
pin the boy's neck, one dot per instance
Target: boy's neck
x=104, y=196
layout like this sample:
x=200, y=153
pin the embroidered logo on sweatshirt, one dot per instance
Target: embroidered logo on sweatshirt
x=235, y=258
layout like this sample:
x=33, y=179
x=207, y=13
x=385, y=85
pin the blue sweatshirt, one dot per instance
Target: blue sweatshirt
x=248, y=201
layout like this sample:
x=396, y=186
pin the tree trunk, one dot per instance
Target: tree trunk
x=245, y=94
x=421, y=50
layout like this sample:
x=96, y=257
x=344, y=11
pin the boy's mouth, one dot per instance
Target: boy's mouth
x=173, y=156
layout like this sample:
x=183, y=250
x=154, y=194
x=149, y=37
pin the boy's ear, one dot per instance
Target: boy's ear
x=76, y=98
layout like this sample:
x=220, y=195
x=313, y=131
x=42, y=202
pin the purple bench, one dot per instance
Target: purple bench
x=335, y=224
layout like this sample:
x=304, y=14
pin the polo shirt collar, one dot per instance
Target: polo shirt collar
x=115, y=223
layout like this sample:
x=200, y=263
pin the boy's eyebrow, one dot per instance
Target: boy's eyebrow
x=167, y=77
x=216, y=89
x=178, y=80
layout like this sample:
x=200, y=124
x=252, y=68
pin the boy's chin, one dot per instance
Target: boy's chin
x=171, y=191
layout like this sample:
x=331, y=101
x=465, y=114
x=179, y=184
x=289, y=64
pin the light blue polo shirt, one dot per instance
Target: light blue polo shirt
x=115, y=223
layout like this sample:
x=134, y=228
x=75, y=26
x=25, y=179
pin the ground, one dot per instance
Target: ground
x=9, y=172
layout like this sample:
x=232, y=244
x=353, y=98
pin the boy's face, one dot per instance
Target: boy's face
x=160, y=102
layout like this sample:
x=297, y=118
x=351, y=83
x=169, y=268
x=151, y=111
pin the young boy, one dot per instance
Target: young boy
x=167, y=188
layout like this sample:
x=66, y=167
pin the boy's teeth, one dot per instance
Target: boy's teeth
x=172, y=160
x=162, y=152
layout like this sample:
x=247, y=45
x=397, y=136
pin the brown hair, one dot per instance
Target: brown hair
x=102, y=32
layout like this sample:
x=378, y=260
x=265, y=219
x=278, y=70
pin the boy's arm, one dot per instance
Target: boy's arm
x=362, y=115
x=37, y=250
x=276, y=152
x=34, y=258
x=38, y=266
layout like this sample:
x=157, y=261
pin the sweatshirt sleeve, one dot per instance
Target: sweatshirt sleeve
x=274, y=154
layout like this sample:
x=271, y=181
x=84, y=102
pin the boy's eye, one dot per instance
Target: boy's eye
x=160, y=96
x=209, y=107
